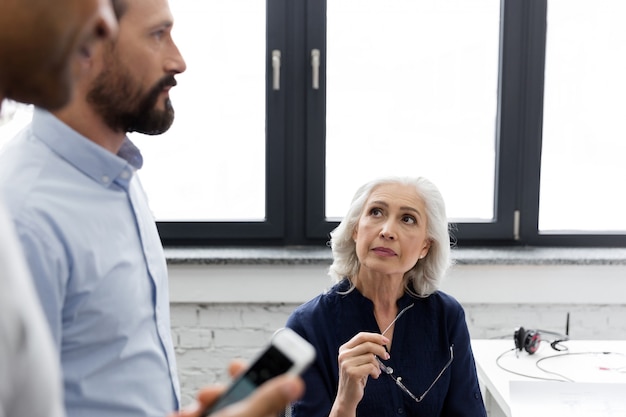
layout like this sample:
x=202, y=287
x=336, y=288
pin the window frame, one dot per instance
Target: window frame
x=295, y=140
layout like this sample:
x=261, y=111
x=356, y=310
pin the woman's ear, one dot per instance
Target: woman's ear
x=425, y=249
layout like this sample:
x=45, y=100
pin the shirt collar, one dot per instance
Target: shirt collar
x=91, y=159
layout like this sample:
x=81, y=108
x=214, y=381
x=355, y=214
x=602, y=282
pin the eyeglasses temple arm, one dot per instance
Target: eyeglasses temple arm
x=440, y=373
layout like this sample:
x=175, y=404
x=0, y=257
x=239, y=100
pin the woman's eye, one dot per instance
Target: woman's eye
x=376, y=212
x=409, y=220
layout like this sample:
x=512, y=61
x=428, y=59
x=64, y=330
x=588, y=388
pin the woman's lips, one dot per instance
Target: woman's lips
x=384, y=251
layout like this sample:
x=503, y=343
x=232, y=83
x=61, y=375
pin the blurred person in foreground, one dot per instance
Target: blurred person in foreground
x=388, y=341
x=70, y=263
x=39, y=43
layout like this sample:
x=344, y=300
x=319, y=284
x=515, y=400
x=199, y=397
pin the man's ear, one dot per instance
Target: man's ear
x=82, y=65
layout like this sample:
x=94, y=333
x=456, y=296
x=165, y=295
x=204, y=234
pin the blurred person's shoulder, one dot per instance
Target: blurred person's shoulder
x=28, y=365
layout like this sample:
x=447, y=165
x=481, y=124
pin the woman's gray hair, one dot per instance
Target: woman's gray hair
x=426, y=276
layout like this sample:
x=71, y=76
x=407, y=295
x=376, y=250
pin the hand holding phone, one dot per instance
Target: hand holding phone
x=287, y=352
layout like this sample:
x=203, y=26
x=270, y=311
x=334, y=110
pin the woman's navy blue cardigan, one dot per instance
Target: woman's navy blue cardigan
x=421, y=347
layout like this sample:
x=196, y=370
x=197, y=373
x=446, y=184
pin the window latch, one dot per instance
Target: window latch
x=315, y=65
x=276, y=69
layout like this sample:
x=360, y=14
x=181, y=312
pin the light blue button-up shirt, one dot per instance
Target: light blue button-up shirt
x=98, y=266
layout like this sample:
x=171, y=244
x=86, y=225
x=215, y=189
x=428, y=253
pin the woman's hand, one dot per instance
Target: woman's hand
x=357, y=362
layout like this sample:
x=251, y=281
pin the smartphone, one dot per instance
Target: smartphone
x=287, y=352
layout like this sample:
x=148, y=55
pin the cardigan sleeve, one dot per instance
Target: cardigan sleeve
x=464, y=398
x=320, y=382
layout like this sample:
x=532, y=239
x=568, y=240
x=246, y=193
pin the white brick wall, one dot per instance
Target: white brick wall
x=209, y=336
x=600, y=322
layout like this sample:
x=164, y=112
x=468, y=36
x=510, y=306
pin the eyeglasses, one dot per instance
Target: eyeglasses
x=398, y=379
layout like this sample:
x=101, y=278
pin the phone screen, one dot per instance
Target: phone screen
x=272, y=363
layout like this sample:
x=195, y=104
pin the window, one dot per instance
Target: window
x=209, y=166
x=511, y=107
x=412, y=89
x=584, y=137
x=573, y=103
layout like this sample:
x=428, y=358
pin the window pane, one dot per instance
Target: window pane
x=582, y=169
x=412, y=90
x=210, y=165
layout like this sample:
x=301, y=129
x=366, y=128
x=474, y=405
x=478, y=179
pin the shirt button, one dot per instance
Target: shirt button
x=125, y=175
x=400, y=410
x=105, y=179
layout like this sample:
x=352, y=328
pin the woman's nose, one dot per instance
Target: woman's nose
x=387, y=232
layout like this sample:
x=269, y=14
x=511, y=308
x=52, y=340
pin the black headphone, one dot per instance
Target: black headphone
x=529, y=340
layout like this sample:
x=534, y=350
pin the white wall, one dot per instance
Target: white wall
x=220, y=312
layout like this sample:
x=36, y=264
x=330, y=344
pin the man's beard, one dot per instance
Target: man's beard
x=125, y=107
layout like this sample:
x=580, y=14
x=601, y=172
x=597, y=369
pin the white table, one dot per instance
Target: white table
x=582, y=365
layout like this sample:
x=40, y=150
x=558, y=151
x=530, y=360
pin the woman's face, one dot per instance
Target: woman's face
x=391, y=233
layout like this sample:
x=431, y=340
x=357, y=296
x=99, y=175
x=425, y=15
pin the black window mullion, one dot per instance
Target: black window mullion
x=316, y=226
x=295, y=147
x=509, y=131
x=534, y=46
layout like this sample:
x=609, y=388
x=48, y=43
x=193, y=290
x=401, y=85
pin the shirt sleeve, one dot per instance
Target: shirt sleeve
x=48, y=266
x=30, y=381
